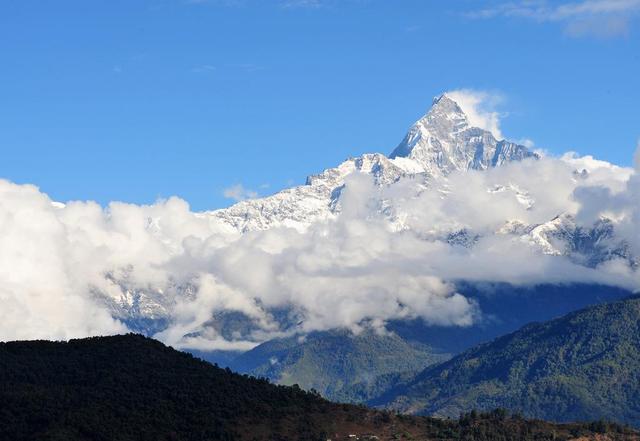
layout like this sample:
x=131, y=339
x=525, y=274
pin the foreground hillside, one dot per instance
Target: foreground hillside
x=134, y=388
x=582, y=366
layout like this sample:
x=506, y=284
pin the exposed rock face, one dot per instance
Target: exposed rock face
x=443, y=141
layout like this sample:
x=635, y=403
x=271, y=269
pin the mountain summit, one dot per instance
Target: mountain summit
x=440, y=143
x=443, y=141
x=384, y=249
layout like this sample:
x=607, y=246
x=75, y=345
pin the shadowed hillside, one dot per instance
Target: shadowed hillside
x=134, y=388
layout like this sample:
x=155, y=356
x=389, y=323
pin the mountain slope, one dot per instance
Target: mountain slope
x=506, y=308
x=430, y=197
x=443, y=141
x=355, y=368
x=439, y=143
x=581, y=366
x=339, y=365
x=133, y=388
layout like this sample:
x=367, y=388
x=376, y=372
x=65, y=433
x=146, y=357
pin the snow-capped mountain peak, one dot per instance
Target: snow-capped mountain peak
x=439, y=143
x=443, y=141
x=445, y=118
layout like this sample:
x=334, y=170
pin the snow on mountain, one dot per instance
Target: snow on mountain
x=299, y=207
x=443, y=141
x=438, y=144
x=562, y=236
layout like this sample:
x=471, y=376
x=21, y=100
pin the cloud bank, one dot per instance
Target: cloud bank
x=67, y=270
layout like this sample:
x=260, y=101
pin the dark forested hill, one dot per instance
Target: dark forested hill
x=134, y=388
x=582, y=366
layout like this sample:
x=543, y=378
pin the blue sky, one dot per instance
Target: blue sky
x=139, y=100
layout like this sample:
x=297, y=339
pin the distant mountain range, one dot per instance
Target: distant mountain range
x=441, y=142
x=581, y=366
x=437, y=145
x=356, y=367
x=399, y=281
x=132, y=388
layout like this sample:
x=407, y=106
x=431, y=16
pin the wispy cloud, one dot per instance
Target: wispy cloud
x=302, y=3
x=412, y=28
x=246, y=67
x=349, y=271
x=600, y=18
x=204, y=68
x=280, y=3
x=480, y=107
x=238, y=193
x=527, y=142
x=238, y=67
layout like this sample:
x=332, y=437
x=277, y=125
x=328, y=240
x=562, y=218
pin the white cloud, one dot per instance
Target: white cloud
x=302, y=3
x=620, y=202
x=64, y=269
x=358, y=269
x=602, y=27
x=480, y=108
x=238, y=193
x=204, y=68
x=554, y=11
x=527, y=142
x=41, y=293
x=601, y=18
